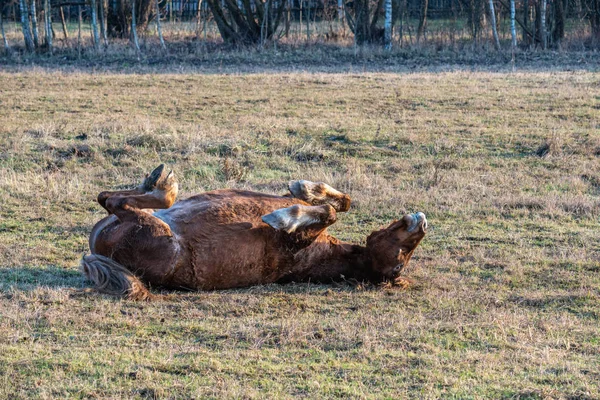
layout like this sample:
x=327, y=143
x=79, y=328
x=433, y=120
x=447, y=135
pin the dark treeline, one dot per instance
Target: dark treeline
x=531, y=23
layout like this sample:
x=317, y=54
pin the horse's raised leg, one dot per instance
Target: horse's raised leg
x=298, y=227
x=138, y=248
x=158, y=190
x=317, y=193
x=305, y=222
x=146, y=186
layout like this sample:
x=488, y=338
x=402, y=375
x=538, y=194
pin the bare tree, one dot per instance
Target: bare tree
x=134, y=36
x=288, y=17
x=263, y=26
x=558, y=29
x=402, y=12
x=34, y=27
x=493, y=24
x=301, y=14
x=525, y=26
x=422, y=20
x=48, y=25
x=308, y=20
x=79, y=32
x=388, y=25
x=26, y=26
x=63, y=22
x=198, y=18
x=475, y=15
x=158, y=27
x=120, y=13
x=4, y=39
x=252, y=24
x=513, y=27
x=362, y=17
x=205, y=18
x=94, y=23
x=543, y=34
x=103, y=9
x=593, y=14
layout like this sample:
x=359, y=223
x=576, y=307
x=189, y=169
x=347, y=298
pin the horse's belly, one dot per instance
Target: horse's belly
x=227, y=259
x=226, y=243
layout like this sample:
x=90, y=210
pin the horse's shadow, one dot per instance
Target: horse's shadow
x=29, y=278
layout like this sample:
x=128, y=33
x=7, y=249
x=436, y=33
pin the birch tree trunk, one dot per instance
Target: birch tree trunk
x=34, y=27
x=493, y=23
x=94, y=23
x=543, y=33
x=79, y=32
x=308, y=21
x=6, y=46
x=103, y=23
x=25, y=25
x=513, y=27
x=388, y=25
x=198, y=18
x=301, y=12
x=159, y=29
x=134, y=35
x=48, y=24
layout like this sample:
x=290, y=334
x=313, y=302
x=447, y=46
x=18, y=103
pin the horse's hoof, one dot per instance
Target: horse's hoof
x=152, y=179
x=166, y=182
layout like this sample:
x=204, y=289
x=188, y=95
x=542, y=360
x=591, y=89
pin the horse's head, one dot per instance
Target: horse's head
x=391, y=248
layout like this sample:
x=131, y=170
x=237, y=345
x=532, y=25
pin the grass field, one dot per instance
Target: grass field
x=506, y=300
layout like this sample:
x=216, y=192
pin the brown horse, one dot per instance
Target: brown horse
x=234, y=238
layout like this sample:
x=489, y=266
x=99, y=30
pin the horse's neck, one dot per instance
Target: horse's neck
x=331, y=259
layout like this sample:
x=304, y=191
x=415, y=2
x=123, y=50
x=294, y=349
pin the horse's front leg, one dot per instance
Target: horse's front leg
x=158, y=191
x=132, y=247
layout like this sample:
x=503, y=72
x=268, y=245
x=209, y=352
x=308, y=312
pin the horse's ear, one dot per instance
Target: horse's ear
x=298, y=217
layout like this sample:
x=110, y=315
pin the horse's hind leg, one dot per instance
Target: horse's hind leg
x=158, y=190
x=318, y=193
x=307, y=222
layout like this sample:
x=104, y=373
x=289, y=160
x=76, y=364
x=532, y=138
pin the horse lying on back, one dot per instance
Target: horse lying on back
x=234, y=238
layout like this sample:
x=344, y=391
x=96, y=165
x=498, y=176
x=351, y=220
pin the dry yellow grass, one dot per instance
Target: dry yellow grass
x=506, y=166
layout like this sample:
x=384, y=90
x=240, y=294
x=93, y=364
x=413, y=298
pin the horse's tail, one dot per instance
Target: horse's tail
x=112, y=278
